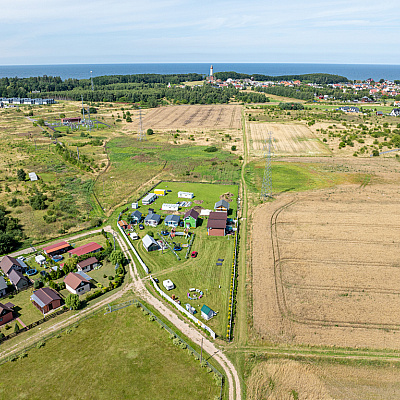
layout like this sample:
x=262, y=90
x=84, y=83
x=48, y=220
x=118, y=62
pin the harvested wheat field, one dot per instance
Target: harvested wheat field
x=193, y=117
x=287, y=379
x=289, y=140
x=326, y=268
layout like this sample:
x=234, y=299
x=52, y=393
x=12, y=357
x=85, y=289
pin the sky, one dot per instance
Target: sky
x=129, y=31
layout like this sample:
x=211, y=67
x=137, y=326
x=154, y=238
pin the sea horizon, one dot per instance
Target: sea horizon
x=82, y=71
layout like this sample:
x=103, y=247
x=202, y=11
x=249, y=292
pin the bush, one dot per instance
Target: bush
x=110, y=278
x=72, y=301
x=211, y=149
x=233, y=148
x=150, y=131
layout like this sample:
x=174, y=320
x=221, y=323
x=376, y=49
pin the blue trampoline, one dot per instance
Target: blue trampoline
x=31, y=272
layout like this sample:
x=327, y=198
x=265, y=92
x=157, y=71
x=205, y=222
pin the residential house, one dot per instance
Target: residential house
x=149, y=198
x=216, y=224
x=9, y=263
x=221, y=205
x=91, y=247
x=152, y=220
x=395, y=112
x=3, y=286
x=88, y=264
x=150, y=244
x=6, y=313
x=46, y=299
x=18, y=280
x=136, y=216
x=76, y=283
x=207, y=313
x=190, y=218
x=172, y=220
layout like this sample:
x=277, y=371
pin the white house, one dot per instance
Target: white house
x=395, y=112
x=88, y=264
x=207, y=313
x=170, y=207
x=172, y=220
x=76, y=283
x=168, y=284
x=149, y=198
x=185, y=195
x=152, y=220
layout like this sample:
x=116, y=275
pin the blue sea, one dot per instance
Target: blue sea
x=80, y=71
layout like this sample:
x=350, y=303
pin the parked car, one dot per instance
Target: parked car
x=194, y=254
x=141, y=227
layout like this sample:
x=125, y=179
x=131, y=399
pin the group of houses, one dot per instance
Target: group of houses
x=47, y=299
x=7, y=101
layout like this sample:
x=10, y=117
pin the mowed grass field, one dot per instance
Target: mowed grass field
x=200, y=272
x=123, y=355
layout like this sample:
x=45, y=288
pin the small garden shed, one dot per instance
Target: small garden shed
x=190, y=218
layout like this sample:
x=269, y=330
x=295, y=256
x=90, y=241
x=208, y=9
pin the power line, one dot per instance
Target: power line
x=141, y=136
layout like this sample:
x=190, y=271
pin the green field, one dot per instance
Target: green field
x=123, y=355
x=296, y=177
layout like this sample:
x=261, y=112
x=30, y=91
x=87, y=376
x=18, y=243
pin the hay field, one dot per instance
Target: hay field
x=289, y=379
x=326, y=268
x=193, y=117
x=289, y=140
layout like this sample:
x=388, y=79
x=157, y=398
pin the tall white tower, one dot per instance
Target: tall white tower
x=211, y=73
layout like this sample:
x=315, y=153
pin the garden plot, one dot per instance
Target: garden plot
x=326, y=267
x=198, y=117
x=289, y=140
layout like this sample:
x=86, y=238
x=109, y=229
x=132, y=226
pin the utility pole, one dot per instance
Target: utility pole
x=91, y=78
x=201, y=351
x=266, y=189
x=83, y=110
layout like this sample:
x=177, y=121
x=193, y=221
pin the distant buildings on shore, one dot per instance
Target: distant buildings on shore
x=12, y=101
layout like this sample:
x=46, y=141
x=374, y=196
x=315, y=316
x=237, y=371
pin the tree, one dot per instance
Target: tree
x=21, y=174
x=16, y=328
x=150, y=131
x=72, y=301
x=233, y=148
x=37, y=201
x=117, y=257
x=40, y=121
x=128, y=118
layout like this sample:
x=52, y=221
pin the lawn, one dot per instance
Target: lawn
x=200, y=272
x=124, y=356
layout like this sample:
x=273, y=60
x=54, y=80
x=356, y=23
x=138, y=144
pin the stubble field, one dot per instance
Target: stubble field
x=193, y=117
x=329, y=273
x=288, y=140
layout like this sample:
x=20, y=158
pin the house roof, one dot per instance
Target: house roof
x=4, y=307
x=218, y=215
x=85, y=249
x=153, y=217
x=136, y=214
x=45, y=296
x=88, y=261
x=7, y=262
x=216, y=224
x=3, y=283
x=83, y=275
x=191, y=213
x=16, y=276
x=56, y=246
x=32, y=176
x=207, y=310
x=122, y=223
x=172, y=218
x=222, y=203
x=73, y=280
x=148, y=241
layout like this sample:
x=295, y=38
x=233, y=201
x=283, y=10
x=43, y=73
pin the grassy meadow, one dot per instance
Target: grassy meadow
x=124, y=355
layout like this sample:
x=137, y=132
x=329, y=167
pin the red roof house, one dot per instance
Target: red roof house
x=46, y=299
x=91, y=247
x=6, y=314
x=57, y=248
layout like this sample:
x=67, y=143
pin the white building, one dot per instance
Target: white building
x=185, y=195
x=149, y=198
x=170, y=207
x=76, y=283
x=135, y=205
x=40, y=259
x=168, y=284
x=33, y=176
